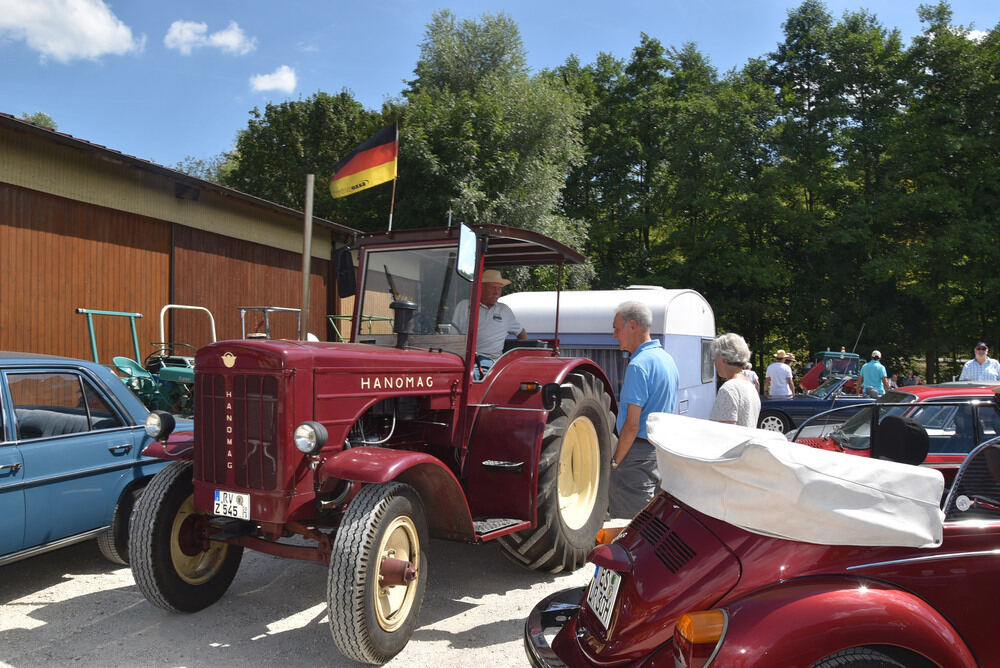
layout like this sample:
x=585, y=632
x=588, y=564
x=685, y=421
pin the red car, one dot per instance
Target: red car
x=957, y=416
x=814, y=567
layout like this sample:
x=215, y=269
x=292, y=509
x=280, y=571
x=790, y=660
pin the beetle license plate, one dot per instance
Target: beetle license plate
x=603, y=592
x=232, y=504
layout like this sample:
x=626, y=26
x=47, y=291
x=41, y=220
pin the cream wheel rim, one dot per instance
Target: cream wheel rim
x=579, y=472
x=393, y=603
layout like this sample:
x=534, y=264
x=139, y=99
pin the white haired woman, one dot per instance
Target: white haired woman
x=737, y=402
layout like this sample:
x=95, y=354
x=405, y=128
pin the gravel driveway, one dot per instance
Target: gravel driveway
x=71, y=607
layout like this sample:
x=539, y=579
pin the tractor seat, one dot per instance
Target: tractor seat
x=130, y=367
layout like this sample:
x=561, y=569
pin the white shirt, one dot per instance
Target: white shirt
x=779, y=374
x=495, y=323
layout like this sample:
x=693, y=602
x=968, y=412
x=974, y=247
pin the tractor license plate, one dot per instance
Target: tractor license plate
x=603, y=592
x=232, y=504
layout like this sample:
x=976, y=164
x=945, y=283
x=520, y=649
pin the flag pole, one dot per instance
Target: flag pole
x=306, y=257
x=392, y=202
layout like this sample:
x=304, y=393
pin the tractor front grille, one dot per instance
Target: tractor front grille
x=236, y=430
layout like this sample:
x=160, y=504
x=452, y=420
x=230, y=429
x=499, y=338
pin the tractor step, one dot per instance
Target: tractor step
x=487, y=525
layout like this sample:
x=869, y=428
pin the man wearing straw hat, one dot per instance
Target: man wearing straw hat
x=496, y=319
x=778, y=377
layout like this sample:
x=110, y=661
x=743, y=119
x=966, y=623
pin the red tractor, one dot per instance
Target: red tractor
x=354, y=454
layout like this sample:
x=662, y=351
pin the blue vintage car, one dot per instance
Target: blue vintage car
x=71, y=464
x=783, y=414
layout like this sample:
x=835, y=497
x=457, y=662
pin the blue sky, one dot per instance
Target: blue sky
x=166, y=80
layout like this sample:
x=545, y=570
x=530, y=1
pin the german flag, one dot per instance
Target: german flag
x=368, y=165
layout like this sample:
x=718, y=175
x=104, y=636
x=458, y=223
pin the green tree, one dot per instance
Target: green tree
x=482, y=138
x=286, y=141
x=40, y=118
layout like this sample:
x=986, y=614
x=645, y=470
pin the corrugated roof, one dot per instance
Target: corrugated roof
x=103, y=152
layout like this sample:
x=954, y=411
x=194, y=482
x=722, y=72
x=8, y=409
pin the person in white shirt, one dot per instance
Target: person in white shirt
x=982, y=366
x=496, y=319
x=778, y=377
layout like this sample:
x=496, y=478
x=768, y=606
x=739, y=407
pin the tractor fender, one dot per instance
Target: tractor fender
x=447, y=510
x=506, y=434
x=800, y=622
x=178, y=446
x=504, y=380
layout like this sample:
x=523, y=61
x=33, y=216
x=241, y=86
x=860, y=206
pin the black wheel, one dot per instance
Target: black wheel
x=774, y=421
x=113, y=543
x=378, y=572
x=173, y=563
x=859, y=657
x=573, y=475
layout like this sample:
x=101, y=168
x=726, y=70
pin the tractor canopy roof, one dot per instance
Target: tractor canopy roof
x=506, y=246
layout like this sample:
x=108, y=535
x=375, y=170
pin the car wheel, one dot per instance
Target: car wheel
x=113, y=543
x=574, y=471
x=859, y=657
x=174, y=565
x=774, y=421
x=378, y=572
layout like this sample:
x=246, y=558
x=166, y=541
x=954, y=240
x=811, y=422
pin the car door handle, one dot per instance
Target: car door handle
x=120, y=449
x=14, y=468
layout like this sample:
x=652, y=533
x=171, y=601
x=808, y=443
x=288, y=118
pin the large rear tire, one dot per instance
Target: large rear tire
x=574, y=469
x=371, y=621
x=173, y=565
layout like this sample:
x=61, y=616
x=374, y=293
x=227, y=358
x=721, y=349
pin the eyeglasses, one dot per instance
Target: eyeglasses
x=981, y=348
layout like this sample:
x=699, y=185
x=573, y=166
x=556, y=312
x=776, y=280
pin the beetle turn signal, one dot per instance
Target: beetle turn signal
x=697, y=636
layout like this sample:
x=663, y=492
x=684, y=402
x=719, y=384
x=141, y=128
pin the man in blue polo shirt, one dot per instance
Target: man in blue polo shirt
x=650, y=386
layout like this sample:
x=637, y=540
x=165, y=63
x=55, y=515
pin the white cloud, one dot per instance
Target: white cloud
x=67, y=30
x=976, y=35
x=185, y=36
x=282, y=79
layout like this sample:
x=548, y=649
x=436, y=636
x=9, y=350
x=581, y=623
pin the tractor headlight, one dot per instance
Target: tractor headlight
x=159, y=424
x=309, y=437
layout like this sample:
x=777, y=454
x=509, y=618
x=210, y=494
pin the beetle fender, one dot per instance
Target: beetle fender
x=447, y=510
x=799, y=622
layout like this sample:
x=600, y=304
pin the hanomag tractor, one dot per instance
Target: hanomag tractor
x=354, y=454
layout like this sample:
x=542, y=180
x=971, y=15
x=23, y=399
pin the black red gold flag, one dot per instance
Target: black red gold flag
x=370, y=164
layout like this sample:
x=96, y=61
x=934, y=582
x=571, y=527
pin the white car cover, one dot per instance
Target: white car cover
x=760, y=481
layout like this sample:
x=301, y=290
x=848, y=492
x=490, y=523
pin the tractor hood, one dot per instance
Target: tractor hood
x=286, y=355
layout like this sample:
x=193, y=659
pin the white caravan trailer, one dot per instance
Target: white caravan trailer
x=683, y=322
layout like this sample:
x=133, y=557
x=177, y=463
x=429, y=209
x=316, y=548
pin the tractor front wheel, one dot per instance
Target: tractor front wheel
x=173, y=563
x=573, y=476
x=378, y=572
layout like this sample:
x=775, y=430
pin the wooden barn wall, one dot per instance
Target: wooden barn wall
x=58, y=254
x=221, y=273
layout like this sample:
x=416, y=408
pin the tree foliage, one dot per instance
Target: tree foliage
x=842, y=188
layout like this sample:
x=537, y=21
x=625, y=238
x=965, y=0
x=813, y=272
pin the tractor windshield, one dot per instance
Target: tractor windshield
x=425, y=276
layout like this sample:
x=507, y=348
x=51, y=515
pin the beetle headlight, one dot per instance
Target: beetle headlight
x=159, y=424
x=309, y=437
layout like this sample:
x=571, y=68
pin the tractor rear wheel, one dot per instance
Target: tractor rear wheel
x=174, y=566
x=378, y=572
x=573, y=475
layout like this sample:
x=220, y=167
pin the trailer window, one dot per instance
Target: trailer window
x=707, y=363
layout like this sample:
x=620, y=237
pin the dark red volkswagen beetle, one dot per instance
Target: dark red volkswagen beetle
x=769, y=553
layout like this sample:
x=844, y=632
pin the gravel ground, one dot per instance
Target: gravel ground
x=72, y=607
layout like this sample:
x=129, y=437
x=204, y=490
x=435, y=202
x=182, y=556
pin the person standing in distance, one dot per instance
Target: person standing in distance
x=873, y=376
x=778, y=377
x=982, y=366
x=650, y=386
x=737, y=401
